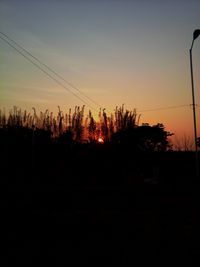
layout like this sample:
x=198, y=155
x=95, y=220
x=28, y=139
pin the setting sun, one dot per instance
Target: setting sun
x=100, y=140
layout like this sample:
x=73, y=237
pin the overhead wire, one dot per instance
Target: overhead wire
x=45, y=72
x=9, y=40
x=51, y=70
x=164, y=108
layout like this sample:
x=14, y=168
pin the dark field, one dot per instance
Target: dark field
x=99, y=204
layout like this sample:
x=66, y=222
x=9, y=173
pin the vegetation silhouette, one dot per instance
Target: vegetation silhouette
x=71, y=128
x=112, y=201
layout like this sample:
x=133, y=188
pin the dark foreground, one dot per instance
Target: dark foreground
x=100, y=205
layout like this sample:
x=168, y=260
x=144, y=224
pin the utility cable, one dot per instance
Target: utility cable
x=45, y=72
x=59, y=76
x=50, y=69
x=164, y=108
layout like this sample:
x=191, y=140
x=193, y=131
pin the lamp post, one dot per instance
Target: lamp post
x=196, y=33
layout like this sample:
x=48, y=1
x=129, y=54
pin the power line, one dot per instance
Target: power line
x=164, y=108
x=59, y=76
x=50, y=69
x=45, y=72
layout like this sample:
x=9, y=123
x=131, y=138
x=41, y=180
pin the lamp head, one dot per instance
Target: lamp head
x=196, y=33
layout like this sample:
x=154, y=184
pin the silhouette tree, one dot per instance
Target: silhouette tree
x=153, y=138
x=144, y=138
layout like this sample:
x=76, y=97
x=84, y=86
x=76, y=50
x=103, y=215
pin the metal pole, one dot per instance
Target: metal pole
x=194, y=114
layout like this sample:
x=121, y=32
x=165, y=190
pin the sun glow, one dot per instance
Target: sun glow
x=100, y=140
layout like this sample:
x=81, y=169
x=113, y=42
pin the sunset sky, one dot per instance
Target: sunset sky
x=115, y=51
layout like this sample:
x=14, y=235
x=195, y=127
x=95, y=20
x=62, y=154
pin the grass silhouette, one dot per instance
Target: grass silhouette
x=127, y=200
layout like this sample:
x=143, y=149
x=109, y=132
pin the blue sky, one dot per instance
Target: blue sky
x=132, y=52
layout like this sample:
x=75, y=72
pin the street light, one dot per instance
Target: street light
x=196, y=34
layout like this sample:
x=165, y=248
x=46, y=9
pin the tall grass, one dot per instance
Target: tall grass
x=73, y=123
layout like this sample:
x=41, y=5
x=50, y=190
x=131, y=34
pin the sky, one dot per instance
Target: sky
x=114, y=51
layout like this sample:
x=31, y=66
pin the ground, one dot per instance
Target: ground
x=90, y=207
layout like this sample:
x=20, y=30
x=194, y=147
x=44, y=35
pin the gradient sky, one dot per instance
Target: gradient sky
x=132, y=52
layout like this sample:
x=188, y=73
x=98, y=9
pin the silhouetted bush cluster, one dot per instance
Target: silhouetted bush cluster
x=122, y=127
